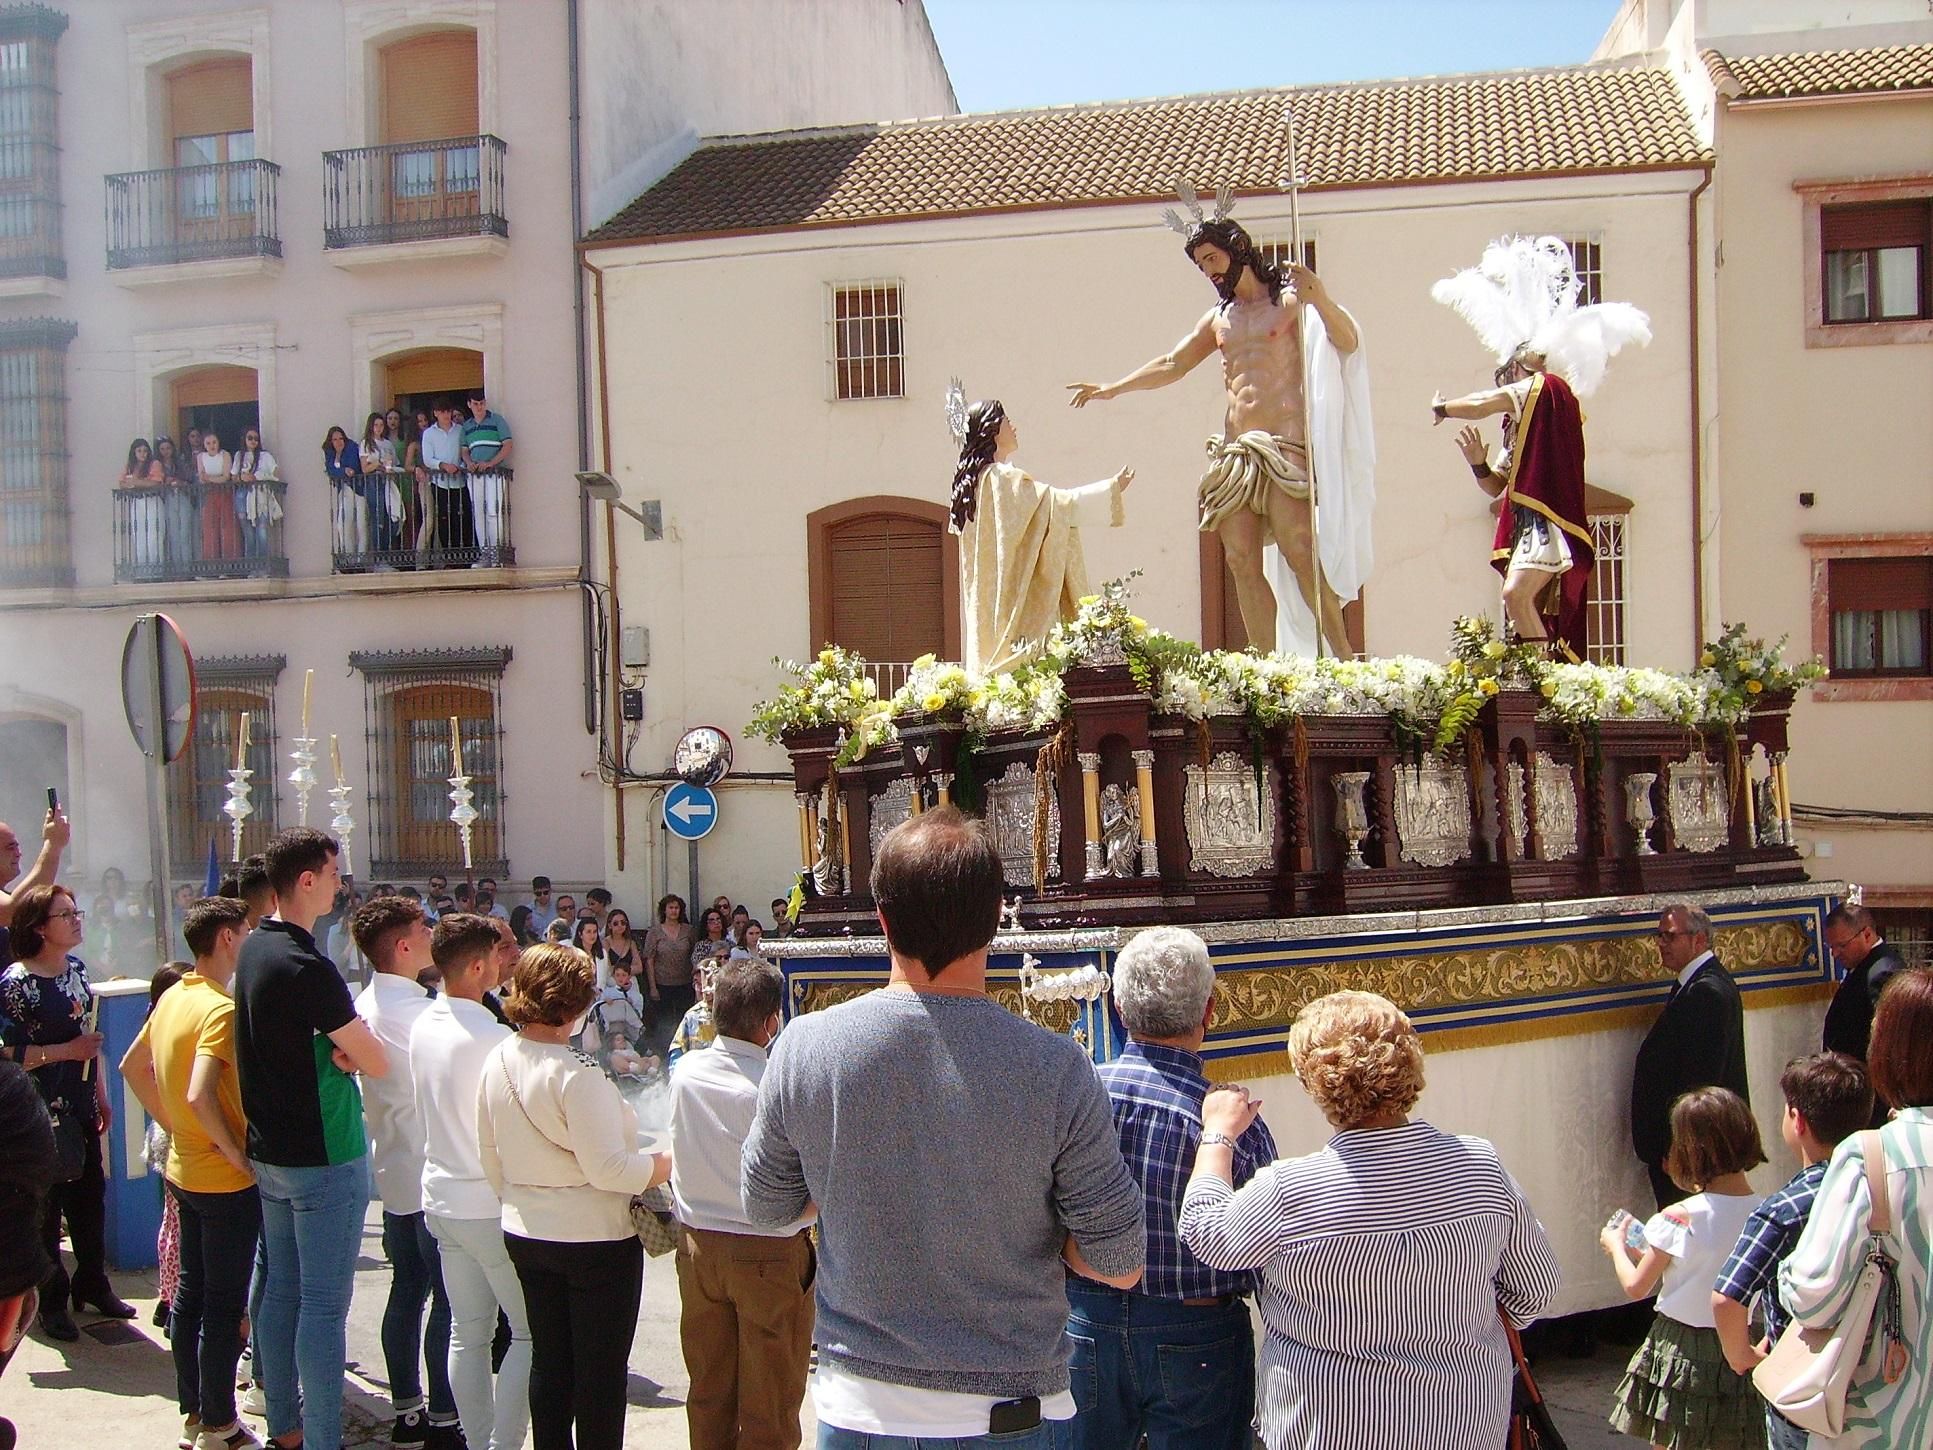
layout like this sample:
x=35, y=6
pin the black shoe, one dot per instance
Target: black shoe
x=104, y=1301
x=409, y=1429
x=444, y=1437
x=160, y=1316
x=58, y=1324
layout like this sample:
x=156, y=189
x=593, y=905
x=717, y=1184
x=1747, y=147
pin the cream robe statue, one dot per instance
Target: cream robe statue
x=1022, y=571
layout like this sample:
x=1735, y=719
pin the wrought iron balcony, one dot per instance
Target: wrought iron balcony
x=414, y=191
x=385, y=522
x=192, y=214
x=174, y=532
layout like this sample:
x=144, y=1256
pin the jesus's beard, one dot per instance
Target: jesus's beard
x=1225, y=288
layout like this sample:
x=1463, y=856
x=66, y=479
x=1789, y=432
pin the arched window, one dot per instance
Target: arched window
x=885, y=581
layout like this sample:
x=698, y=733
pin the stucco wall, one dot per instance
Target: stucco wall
x=719, y=407
x=1850, y=425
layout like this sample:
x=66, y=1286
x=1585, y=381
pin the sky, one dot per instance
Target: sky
x=1009, y=54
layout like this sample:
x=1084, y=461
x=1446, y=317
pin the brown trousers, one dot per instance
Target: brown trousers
x=747, y=1335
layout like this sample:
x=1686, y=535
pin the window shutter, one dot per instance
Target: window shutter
x=1875, y=224
x=435, y=370
x=1861, y=585
x=210, y=387
x=212, y=98
x=886, y=587
x=430, y=87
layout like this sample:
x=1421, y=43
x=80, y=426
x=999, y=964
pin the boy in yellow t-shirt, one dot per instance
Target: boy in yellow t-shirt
x=182, y=1068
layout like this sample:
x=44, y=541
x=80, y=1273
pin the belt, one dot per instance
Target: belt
x=1213, y=1301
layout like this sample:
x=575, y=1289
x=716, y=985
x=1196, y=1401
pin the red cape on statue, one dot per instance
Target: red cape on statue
x=1547, y=476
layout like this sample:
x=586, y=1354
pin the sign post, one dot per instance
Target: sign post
x=158, y=696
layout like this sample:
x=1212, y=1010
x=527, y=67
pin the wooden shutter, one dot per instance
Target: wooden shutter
x=430, y=87
x=1861, y=585
x=208, y=387
x=450, y=370
x=1875, y=224
x=212, y=98
x=885, y=586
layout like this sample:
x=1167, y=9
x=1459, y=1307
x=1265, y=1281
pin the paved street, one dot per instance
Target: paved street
x=116, y=1389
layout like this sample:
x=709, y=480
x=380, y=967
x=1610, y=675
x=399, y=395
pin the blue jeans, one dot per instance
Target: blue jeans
x=218, y=1234
x=312, y=1228
x=1047, y=1435
x=415, y=1279
x=1183, y=1376
x=1782, y=1434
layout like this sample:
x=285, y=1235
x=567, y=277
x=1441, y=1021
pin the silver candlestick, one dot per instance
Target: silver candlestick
x=1352, y=814
x=1637, y=806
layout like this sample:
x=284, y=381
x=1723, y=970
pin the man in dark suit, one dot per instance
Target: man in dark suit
x=1697, y=1041
x=1868, y=963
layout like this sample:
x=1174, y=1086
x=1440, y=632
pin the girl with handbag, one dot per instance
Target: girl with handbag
x=1889, y=1404
x=1678, y=1392
x=46, y=996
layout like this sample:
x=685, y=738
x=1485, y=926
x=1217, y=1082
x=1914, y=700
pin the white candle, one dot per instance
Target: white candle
x=308, y=687
x=241, y=749
x=456, y=749
x=335, y=757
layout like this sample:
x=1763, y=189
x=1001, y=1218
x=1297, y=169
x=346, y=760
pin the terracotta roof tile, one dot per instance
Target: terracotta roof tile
x=1386, y=133
x=1822, y=72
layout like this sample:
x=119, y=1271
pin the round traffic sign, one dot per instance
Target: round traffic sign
x=156, y=663
x=690, y=811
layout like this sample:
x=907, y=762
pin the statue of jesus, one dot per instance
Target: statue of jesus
x=1256, y=490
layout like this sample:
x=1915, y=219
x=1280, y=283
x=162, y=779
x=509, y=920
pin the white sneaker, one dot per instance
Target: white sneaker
x=239, y=1438
x=253, y=1400
x=190, y=1432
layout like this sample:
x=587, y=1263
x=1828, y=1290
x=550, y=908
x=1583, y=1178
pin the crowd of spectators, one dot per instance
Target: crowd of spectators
x=1090, y=1287
x=199, y=506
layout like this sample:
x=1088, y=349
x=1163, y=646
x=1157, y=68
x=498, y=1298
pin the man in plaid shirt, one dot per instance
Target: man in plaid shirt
x=1827, y=1098
x=1174, y=1357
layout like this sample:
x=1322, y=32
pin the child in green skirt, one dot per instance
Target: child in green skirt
x=1678, y=1393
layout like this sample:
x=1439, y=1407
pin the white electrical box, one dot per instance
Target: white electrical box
x=634, y=647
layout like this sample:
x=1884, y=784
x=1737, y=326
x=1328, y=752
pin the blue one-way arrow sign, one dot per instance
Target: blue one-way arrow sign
x=690, y=811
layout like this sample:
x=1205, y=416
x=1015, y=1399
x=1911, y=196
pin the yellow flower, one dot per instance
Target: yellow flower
x=1087, y=599
x=1753, y=687
x=1493, y=650
x=1707, y=660
x=1487, y=687
x=857, y=689
x=1550, y=689
x=1456, y=667
x=828, y=658
x=933, y=703
x=924, y=662
x=1140, y=624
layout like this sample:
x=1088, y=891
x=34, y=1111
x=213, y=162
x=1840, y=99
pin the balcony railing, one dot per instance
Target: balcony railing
x=172, y=532
x=414, y=191
x=192, y=214
x=383, y=522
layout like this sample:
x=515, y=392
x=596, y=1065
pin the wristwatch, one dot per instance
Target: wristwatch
x=1212, y=1140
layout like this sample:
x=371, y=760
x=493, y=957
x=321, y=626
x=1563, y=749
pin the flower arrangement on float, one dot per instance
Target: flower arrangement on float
x=1743, y=669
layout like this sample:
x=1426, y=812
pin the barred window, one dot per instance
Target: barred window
x=1604, y=619
x=866, y=348
x=30, y=243
x=33, y=453
x=1277, y=250
x=409, y=699
x=225, y=687
x=1587, y=261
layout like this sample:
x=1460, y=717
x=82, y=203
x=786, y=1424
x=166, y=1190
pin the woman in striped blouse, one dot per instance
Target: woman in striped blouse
x=1384, y=1259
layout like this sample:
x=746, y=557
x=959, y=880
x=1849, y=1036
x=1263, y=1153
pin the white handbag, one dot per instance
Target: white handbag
x=1809, y=1371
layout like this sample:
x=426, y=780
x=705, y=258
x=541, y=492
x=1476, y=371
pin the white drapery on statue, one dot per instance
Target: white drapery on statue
x=1344, y=454
x=1021, y=567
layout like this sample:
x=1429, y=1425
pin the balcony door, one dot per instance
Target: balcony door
x=221, y=398
x=211, y=123
x=429, y=95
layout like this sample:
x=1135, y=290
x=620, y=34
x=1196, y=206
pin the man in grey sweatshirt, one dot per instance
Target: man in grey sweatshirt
x=958, y=1157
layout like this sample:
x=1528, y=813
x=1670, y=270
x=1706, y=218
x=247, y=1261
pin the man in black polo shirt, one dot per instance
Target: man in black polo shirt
x=298, y=1041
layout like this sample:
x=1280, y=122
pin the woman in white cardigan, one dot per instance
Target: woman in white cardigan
x=560, y=1146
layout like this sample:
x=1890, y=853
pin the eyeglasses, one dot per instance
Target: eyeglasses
x=74, y=915
x=1664, y=935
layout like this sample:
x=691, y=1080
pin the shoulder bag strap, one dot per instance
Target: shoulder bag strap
x=517, y=1098
x=1873, y=1149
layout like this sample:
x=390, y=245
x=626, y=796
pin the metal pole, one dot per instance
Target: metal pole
x=691, y=866
x=1301, y=338
x=159, y=865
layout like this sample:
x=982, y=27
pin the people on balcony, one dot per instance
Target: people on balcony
x=177, y=504
x=380, y=467
x=342, y=460
x=146, y=529
x=257, y=507
x=487, y=445
x=454, y=519
x=221, y=534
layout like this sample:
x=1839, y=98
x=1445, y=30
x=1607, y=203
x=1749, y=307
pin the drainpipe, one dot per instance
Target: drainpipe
x=587, y=596
x=1697, y=436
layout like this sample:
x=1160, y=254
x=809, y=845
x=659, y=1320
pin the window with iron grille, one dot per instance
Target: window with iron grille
x=1277, y=250
x=226, y=686
x=29, y=154
x=1876, y=260
x=1882, y=616
x=1587, y=262
x=1909, y=932
x=409, y=700
x=33, y=452
x=866, y=345
x=1604, y=616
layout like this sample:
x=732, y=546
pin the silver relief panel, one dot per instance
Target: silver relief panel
x=1231, y=832
x=1433, y=812
x=891, y=806
x=1121, y=830
x=1696, y=797
x=1556, y=808
x=1010, y=816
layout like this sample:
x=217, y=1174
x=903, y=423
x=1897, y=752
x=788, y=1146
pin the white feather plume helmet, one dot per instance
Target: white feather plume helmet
x=1523, y=294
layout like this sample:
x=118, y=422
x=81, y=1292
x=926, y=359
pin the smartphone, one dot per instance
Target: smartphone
x=53, y=798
